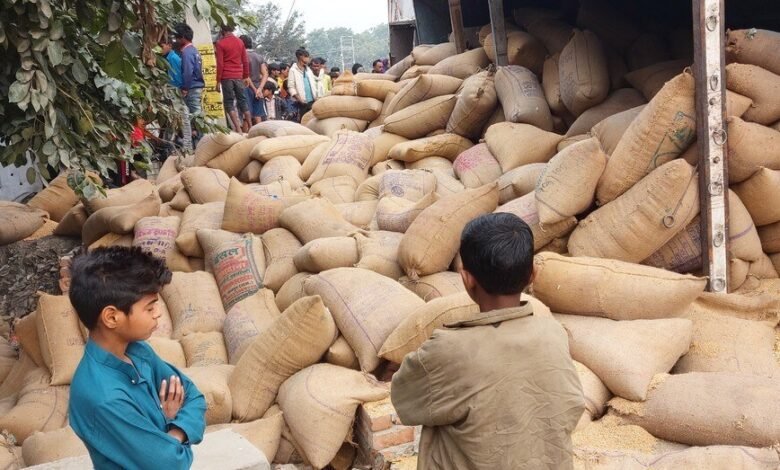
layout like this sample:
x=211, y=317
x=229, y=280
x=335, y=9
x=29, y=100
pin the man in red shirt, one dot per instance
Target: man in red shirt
x=232, y=77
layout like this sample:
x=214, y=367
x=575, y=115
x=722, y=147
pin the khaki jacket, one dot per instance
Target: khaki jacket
x=496, y=392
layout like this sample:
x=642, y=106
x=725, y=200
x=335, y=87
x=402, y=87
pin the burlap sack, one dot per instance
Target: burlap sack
x=610, y=131
x=412, y=185
x=8, y=358
x=382, y=145
x=378, y=252
x=660, y=133
x=246, y=319
x=736, y=104
x=437, y=285
x=627, y=354
x=59, y=333
x=359, y=213
x=616, y=290
x=526, y=208
x=238, y=266
x=551, y=86
x=211, y=145
x=157, y=235
x=770, y=237
x=280, y=247
x=368, y=190
x=196, y=217
x=400, y=67
x=519, y=181
x=432, y=240
x=751, y=146
x=642, y=220
x=331, y=126
x=763, y=186
x=212, y=381
x=169, y=350
x=754, y=46
x=112, y=239
x=327, y=253
x=248, y=211
x=761, y=86
x=355, y=107
x=282, y=168
x=377, y=89
x=445, y=145
x=422, y=89
x=18, y=221
x=181, y=200
x=131, y=193
x=650, y=80
x=292, y=290
x=204, y=349
x=477, y=166
x=477, y=99
x=386, y=165
x=539, y=146
x=119, y=219
x=360, y=301
x=40, y=407
x=338, y=190
x=375, y=126
x=522, y=97
x=168, y=189
x=279, y=188
x=522, y=50
x=435, y=54
x=312, y=160
x=46, y=447
x=430, y=163
x=205, y=184
x=194, y=303
x=462, y=65
x=594, y=391
x=297, y=339
x=419, y=50
x=167, y=171
x=236, y=158
x=396, y=214
x=446, y=183
x=422, y=118
x=617, y=102
x=690, y=409
x=265, y=433
x=56, y=199
x=26, y=331
x=251, y=172
x=349, y=154
x=341, y=354
x=552, y=32
x=345, y=85
x=567, y=186
x=298, y=146
x=315, y=218
x=583, y=72
x=72, y=222
x=167, y=211
x=415, y=71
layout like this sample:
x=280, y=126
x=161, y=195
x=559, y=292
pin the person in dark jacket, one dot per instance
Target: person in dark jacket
x=192, y=82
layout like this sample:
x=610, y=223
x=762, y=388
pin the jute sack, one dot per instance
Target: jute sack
x=56, y=199
x=15, y=379
x=616, y=290
x=349, y=154
x=169, y=350
x=539, y=146
x=366, y=306
x=341, y=354
x=650, y=80
x=8, y=358
x=168, y=189
x=345, y=85
x=211, y=145
x=445, y=145
x=298, y=146
x=194, y=303
x=72, y=222
x=775, y=258
x=248, y=211
x=295, y=340
x=319, y=405
x=770, y=237
x=414, y=72
x=18, y=221
x=112, y=239
x=279, y=188
x=690, y=409
x=338, y=190
x=520, y=181
x=26, y=331
x=377, y=89
x=312, y=160
x=59, y=333
x=292, y=290
x=627, y=354
x=277, y=129
x=40, y=407
x=315, y=218
x=617, y=102
x=642, y=220
x=355, y=107
x=522, y=50
x=583, y=72
x=204, y=349
x=551, y=86
x=660, y=133
x=610, y=131
x=167, y=171
x=477, y=166
x=594, y=391
x=422, y=118
x=280, y=247
x=238, y=266
x=567, y=186
x=396, y=214
x=738, y=272
x=386, y=165
x=212, y=381
x=330, y=126
x=45, y=447
x=236, y=158
x=435, y=54
x=446, y=183
x=477, y=99
x=378, y=252
x=422, y=89
x=181, y=200
x=526, y=208
x=284, y=168
x=552, y=32
x=359, y=213
x=196, y=217
x=265, y=433
x=167, y=211
x=689, y=457
x=754, y=46
x=751, y=146
x=327, y=253
x=157, y=235
x=430, y=163
x=400, y=67
x=432, y=240
x=133, y=192
x=437, y=285
x=382, y=145
x=376, y=125
x=522, y=97
x=251, y=172
x=205, y=184
x=419, y=50
x=418, y=326
x=246, y=319
x=760, y=188
x=759, y=85
x=462, y=65
x=119, y=219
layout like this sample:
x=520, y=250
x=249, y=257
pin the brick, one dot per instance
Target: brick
x=397, y=453
x=394, y=436
x=381, y=414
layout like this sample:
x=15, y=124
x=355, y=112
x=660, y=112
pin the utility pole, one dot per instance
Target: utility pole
x=351, y=47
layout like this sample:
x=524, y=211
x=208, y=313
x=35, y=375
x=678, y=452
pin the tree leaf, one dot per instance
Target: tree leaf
x=112, y=62
x=54, y=48
x=56, y=31
x=204, y=9
x=132, y=43
x=79, y=72
x=31, y=175
x=45, y=8
x=18, y=91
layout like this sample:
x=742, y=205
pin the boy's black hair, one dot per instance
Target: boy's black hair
x=356, y=67
x=117, y=276
x=227, y=28
x=183, y=30
x=247, y=41
x=375, y=62
x=319, y=60
x=335, y=69
x=274, y=66
x=269, y=85
x=301, y=53
x=498, y=250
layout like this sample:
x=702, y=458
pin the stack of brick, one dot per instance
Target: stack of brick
x=383, y=441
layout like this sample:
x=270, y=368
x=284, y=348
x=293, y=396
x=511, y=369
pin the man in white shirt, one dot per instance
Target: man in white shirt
x=301, y=83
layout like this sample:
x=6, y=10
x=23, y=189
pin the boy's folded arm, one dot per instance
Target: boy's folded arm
x=192, y=416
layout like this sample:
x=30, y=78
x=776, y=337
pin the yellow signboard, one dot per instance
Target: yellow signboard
x=212, y=99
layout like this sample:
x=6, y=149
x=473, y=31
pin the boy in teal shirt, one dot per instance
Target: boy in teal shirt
x=131, y=409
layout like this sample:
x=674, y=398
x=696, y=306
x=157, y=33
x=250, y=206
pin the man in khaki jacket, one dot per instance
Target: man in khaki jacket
x=498, y=391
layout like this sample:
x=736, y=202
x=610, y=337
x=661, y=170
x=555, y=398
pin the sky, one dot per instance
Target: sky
x=359, y=15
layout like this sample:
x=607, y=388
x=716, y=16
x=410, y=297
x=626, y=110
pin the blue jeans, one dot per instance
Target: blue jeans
x=256, y=106
x=193, y=100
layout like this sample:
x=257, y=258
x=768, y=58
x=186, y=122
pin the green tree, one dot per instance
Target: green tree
x=76, y=73
x=369, y=45
x=275, y=34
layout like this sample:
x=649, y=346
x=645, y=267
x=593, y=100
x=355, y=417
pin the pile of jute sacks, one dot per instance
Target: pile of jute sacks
x=308, y=257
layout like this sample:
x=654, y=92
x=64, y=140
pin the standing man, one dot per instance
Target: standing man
x=232, y=77
x=258, y=76
x=174, y=62
x=301, y=83
x=377, y=67
x=192, y=82
x=321, y=76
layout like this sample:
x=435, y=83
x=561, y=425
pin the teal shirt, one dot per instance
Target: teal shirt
x=307, y=86
x=116, y=411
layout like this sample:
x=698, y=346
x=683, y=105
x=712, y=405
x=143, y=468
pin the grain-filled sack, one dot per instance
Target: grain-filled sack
x=645, y=218
x=567, y=186
x=238, y=264
x=526, y=208
x=444, y=145
x=396, y=214
x=292, y=290
x=71, y=223
x=355, y=107
x=462, y=65
x=651, y=79
x=757, y=191
x=211, y=145
x=418, y=326
x=446, y=183
x=157, y=235
x=277, y=129
x=119, y=219
x=40, y=407
x=386, y=165
x=432, y=240
x=297, y=339
x=617, y=102
x=750, y=146
x=248, y=211
x=348, y=155
x=56, y=199
x=615, y=289
x=331, y=126
x=196, y=217
x=594, y=391
x=759, y=85
x=59, y=333
x=341, y=354
x=415, y=71
x=359, y=213
x=327, y=253
x=298, y=146
x=212, y=382
x=611, y=130
x=551, y=86
x=770, y=237
x=315, y=218
x=522, y=97
x=169, y=350
x=377, y=89
x=435, y=54
x=338, y=190
x=312, y=160
x=375, y=126
x=538, y=146
x=437, y=285
x=522, y=50
x=131, y=193
x=265, y=433
x=382, y=145
x=26, y=331
x=112, y=239
x=251, y=172
x=205, y=184
x=583, y=72
x=754, y=46
x=345, y=85
x=18, y=221
x=422, y=118
x=284, y=168
x=627, y=354
x=319, y=405
x=661, y=132
x=194, y=303
x=520, y=181
x=204, y=349
x=45, y=447
x=422, y=89
x=430, y=163
x=180, y=200
x=400, y=67
x=169, y=188
x=378, y=252
x=280, y=247
x=366, y=307
x=234, y=159
x=690, y=409
x=477, y=166
x=245, y=320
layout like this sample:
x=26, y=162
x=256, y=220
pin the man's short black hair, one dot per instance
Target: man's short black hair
x=498, y=250
x=117, y=276
x=319, y=60
x=335, y=69
x=227, y=28
x=301, y=53
x=183, y=30
x=274, y=66
x=247, y=41
x=356, y=68
x=378, y=61
x=269, y=85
